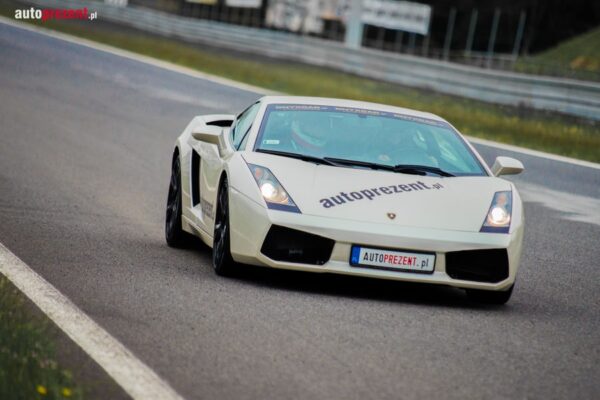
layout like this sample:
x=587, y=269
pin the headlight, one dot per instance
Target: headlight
x=272, y=191
x=498, y=216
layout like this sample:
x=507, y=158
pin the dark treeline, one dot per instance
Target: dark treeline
x=547, y=22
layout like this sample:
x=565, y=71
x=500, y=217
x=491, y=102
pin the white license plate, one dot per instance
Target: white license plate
x=392, y=259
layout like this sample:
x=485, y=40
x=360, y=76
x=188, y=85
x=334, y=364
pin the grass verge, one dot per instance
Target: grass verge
x=578, y=57
x=522, y=127
x=28, y=369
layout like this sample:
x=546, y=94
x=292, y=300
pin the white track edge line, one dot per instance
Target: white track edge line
x=243, y=86
x=135, y=377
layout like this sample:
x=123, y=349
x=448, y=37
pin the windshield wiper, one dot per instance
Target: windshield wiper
x=338, y=162
x=358, y=163
x=298, y=156
x=420, y=169
x=402, y=168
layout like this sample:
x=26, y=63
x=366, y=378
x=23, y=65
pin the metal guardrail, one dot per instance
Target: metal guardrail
x=578, y=98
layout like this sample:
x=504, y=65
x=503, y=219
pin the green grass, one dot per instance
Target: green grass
x=28, y=369
x=537, y=130
x=579, y=56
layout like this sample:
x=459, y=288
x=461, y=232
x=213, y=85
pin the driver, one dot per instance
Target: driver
x=402, y=148
x=311, y=132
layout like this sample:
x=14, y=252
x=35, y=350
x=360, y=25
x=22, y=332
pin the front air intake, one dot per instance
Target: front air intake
x=478, y=265
x=290, y=245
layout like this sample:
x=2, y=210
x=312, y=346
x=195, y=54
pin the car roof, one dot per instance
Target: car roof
x=326, y=101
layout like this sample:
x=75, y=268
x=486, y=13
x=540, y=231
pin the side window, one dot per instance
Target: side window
x=243, y=124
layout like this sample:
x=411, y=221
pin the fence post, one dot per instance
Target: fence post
x=380, y=38
x=425, y=48
x=492, y=42
x=472, y=26
x=519, y=36
x=412, y=39
x=398, y=40
x=425, y=44
x=449, y=32
x=354, y=27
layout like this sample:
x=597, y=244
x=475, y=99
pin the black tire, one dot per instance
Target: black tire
x=221, y=254
x=174, y=233
x=490, y=296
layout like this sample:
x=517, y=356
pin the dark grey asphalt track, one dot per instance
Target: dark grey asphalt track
x=85, y=144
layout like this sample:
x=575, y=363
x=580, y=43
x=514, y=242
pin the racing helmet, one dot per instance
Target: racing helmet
x=311, y=129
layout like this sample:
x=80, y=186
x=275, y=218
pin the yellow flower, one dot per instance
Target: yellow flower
x=66, y=392
x=41, y=390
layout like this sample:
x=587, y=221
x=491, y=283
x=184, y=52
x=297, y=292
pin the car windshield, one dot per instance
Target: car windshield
x=341, y=135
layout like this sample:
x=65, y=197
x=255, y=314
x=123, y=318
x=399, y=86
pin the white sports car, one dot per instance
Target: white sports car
x=347, y=187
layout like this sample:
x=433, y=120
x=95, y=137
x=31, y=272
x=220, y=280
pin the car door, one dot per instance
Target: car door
x=206, y=168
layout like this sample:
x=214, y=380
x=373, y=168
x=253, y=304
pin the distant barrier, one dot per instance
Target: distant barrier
x=578, y=98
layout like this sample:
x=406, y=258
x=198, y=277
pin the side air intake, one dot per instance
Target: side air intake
x=478, y=265
x=290, y=245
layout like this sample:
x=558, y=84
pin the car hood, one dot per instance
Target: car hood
x=455, y=203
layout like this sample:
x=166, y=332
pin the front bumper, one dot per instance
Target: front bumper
x=251, y=221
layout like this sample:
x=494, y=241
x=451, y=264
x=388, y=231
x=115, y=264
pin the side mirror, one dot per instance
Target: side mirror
x=213, y=135
x=207, y=133
x=507, y=166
